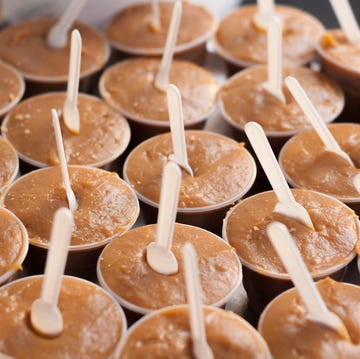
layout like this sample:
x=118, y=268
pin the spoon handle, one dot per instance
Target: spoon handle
x=56, y=258
x=274, y=55
x=74, y=68
x=162, y=77
x=268, y=162
x=201, y=349
x=71, y=13
x=177, y=127
x=168, y=205
x=295, y=266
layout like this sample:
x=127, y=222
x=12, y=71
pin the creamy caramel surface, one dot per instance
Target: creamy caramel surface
x=12, y=242
x=8, y=162
x=335, y=46
x=107, y=205
x=223, y=169
x=104, y=133
x=167, y=334
x=244, y=99
x=131, y=28
x=241, y=39
x=125, y=271
x=331, y=243
x=129, y=87
x=92, y=321
x=308, y=164
x=11, y=88
x=290, y=335
x=24, y=46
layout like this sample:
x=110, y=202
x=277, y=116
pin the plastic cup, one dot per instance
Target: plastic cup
x=295, y=333
x=24, y=46
x=104, y=133
x=326, y=251
x=224, y=172
x=241, y=43
x=9, y=164
x=130, y=34
x=12, y=88
x=317, y=169
x=14, y=245
x=339, y=60
x=94, y=323
x=107, y=207
x=242, y=99
x=128, y=86
x=122, y=261
x=242, y=340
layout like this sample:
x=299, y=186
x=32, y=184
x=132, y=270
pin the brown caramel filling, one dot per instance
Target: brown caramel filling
x=222, y=169
x=125, y=270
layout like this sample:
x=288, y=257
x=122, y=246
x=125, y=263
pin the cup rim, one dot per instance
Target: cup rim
x=292, y=183
x=142, y=310
x=120, y=150
x=77, y=247
x=277, y=134
x=285, y=276
x=21, y=81
x=157, y=51
x=144, y=120
x=148, y=316
x=191, y=210
x=23, y=251
x=98, y=287
x=16, y=168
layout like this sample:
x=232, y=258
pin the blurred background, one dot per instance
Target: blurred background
x=97, y=12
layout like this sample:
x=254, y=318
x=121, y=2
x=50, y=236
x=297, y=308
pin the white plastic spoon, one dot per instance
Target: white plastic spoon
x=73, y=205
x=158, y=254
x=274, y=59
x=347, y=20
x=45, y=315
x=265, y=9
x=57, y=36
x=70, y=109
x=295, y=266
x=200, y=346
x=177, y=128
x=155, y=16
x=287, y=204
x=318, y=124
x=162, y=77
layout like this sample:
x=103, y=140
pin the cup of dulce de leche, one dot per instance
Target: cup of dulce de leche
x=306, y=163
x=241, y=42
x=291, y=335
x=129, y=87
x=12, y=88
x=326, y=250
x=223, y=172
x=93, y=322
x=340, y=60
x=243, y=99
x=123, y=269
x=131, y=33
x=107, y=206
x=14, y=244
x=104, y=134
x=24, y=46
x=166, y=333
